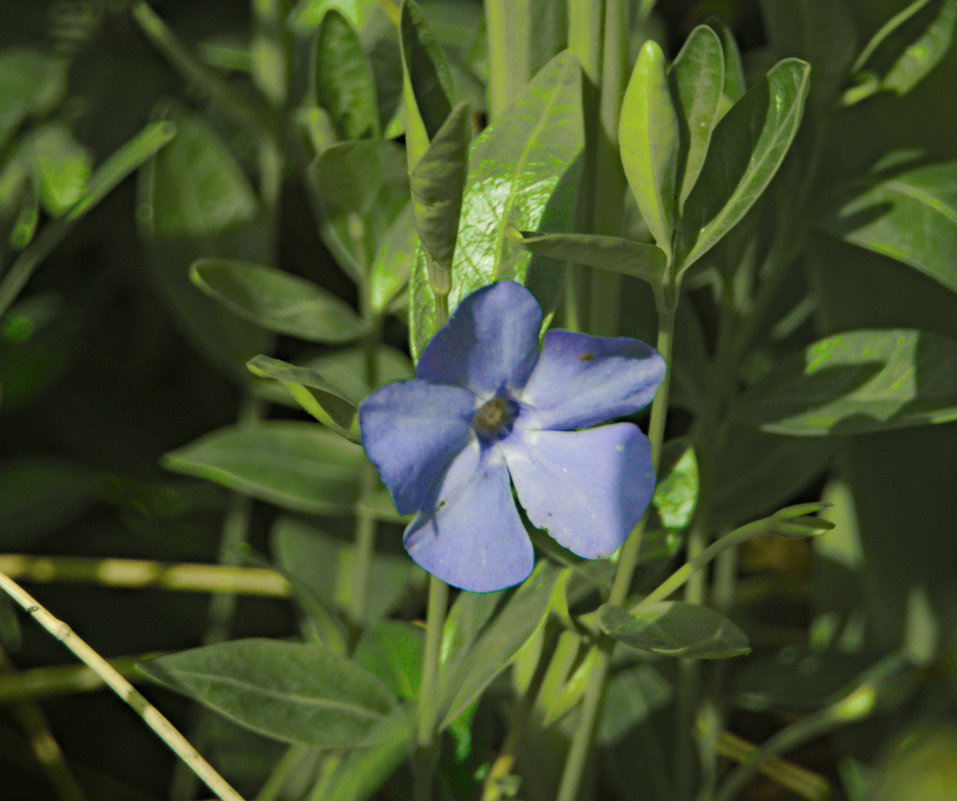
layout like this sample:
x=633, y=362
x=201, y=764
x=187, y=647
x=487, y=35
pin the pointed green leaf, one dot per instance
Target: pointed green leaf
x=277, y=301
x=734, y=82
x=392, y=651
x=513, y=628
x=290, y=691
x=427, y=81
x=393, y=261
x=437, y=182
x=649, y=137
x=345, y=86
x=746, y=149
x=857, y=382
x=675, y=628
x=323, y=400
x=522, y=174
x=911, y=217
x=697, y=80
x=298, y=466
x=613, y=253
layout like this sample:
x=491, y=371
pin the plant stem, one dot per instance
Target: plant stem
x=47, y=682
x=425, y=756
x=150, y=714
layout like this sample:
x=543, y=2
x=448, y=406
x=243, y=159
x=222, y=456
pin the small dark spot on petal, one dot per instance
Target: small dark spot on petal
x=587, y=357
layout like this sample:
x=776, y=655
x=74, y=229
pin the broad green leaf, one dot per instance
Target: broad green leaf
x=676, y=491
x=63, y=167
x=857, y=382
x=906, y=48
x=522, y=174
x=467, y=617
x=323, y=565
x=747, y=147
x=512, y=629
x=697, y=80
x=393, y=261
x=911, y=217
x=323, y=400
x=614, y=253
x=392, y=651
x=348, y=368
x=194, y=200
x=289, y=691
x=648, y=132
x=345, y=86
x=427, y=81
x=634, y=695
x=39, y=494
x=360, y=188
x=675, y=628
x=277, y=301
x=437, y=182
x=298, y=466
x=31, y=82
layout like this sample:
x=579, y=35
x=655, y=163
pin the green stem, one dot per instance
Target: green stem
x=426, y=752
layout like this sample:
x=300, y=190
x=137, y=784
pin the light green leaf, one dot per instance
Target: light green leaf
x=857, y=382
x=392, y=650
x=676, y=492
x=427, y=81
x=323, y=400
x=393, y=261
x=697, y=80
x=649, y=135
x=500, y=642
x=675, y=628
x=277, y=301
x=289, y=691
x=63, y=167
x=437, y=182
x=613, y=253
x=298, y=466
x=747, y=147
x=522, y=174
x=910, y=217
x=734, y=82
x=345, y=86
x=195, y=200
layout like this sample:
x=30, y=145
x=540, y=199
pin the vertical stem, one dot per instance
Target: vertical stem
x=425, y=757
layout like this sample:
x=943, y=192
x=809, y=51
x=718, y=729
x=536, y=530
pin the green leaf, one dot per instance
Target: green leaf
x=345, y=86
x=392, y=650
x=427, y=81
x=360, y=189
x=910, y=217
x=298, y=466
x=649, y=135
x=289, y=691
x=393, y=261
x=194, y=200
x=734, y=82
x=323, y=400
x=906, y=48
x=437, y=182
x=637, y=259
x=39, y=494
x=63, y=167
x=500, y=642
x=465, y=620
x=347, y=368
x=522, y=174
x=323, y=565
x=31, y=82
x=675, y=628
x=277, y=301
x=676, y=492
x=747, y=147
x=697, y=80
x=857, y=382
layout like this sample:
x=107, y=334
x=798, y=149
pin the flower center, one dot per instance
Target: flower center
x=494, y=418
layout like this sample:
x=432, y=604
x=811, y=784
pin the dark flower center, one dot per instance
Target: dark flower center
x=494, y=418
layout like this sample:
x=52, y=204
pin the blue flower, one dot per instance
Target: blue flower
x=489, y=411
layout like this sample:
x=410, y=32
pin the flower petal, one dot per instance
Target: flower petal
x=588, y=489
x=490, y=341
x=581, y=380
x=411, y=430
x=474, y=539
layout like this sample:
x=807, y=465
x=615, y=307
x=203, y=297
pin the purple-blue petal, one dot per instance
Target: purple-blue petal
x=588, y=489
x=411, y=430
x=473, y=537
x=489, y=343
x=581, y=380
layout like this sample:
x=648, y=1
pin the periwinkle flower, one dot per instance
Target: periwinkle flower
x=488, y=411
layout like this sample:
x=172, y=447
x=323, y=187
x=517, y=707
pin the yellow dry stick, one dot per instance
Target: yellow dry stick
x=149, y=713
